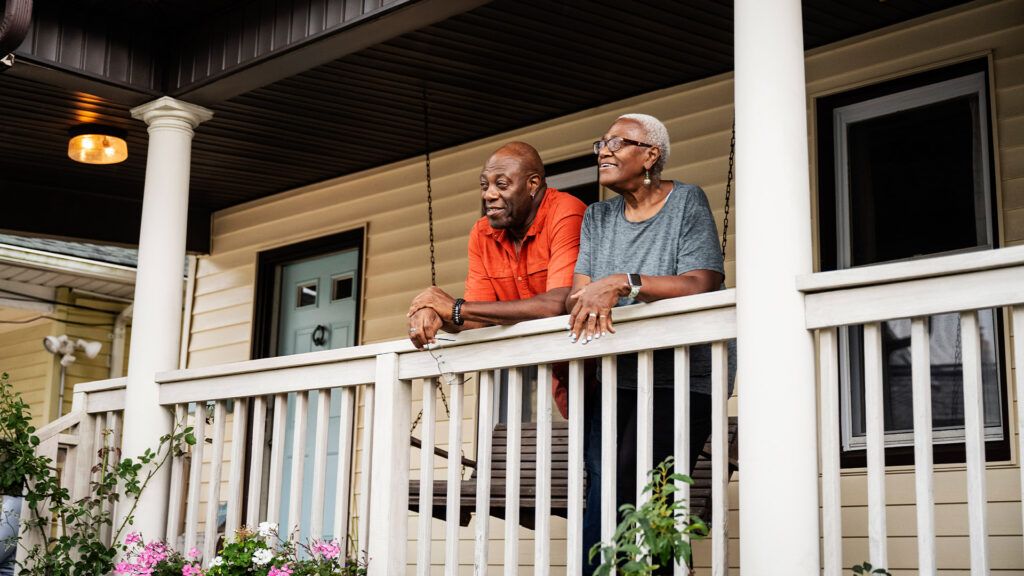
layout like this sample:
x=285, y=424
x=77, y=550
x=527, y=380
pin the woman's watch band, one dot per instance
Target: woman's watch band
x=634, y=284
x=457, y=318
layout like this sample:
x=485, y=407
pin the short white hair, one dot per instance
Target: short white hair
x=657, y=135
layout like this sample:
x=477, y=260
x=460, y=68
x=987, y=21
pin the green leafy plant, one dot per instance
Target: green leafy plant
x=656, y=534
x=67, y=533
x=17, y=443
x=866, y=569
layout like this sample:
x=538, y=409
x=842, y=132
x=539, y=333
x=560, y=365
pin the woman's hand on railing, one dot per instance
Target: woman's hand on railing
x=591, y=317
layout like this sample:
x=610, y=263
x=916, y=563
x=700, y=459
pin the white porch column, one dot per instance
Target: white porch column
x=777, y=408
x=158, y=292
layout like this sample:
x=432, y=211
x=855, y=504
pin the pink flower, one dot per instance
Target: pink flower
x=191, y=570
x=123, y=568
x=285, y=570
x=194, y=554
x=328, y=550
x=132, y=538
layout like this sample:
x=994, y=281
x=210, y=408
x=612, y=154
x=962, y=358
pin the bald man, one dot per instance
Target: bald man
x=521, y=253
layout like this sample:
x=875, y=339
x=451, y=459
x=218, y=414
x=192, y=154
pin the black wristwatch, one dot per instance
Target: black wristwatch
x=634, y=284
x=457, y=318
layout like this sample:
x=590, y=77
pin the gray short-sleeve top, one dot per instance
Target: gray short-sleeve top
x=680, y=238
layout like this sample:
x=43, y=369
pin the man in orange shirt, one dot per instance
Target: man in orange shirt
x=521, y=254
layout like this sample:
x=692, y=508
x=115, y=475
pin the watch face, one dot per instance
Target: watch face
x=634, y=279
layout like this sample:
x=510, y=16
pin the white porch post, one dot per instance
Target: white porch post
x=158, y=292
x=777, y=408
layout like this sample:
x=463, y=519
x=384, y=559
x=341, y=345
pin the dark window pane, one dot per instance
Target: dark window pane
x=912, y=183
x=306, y=295
x=342, y=288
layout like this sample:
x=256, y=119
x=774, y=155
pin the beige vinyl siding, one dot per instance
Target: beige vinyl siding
x=390, y=201
x=32, y=370
x=91, y=325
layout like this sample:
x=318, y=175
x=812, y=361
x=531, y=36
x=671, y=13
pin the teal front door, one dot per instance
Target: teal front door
x=319, y=300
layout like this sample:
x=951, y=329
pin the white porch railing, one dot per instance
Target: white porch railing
x=373, y=389
x=383, y=377
x=868, y=296
x=72, y=443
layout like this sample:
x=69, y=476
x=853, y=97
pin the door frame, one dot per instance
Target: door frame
x=267, y=288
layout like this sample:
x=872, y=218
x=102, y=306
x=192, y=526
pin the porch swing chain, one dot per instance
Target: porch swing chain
x=728, y=186
x=430, y=227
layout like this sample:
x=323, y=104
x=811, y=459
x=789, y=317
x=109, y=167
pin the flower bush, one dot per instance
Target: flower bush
x=67, y=532
x=250, y=553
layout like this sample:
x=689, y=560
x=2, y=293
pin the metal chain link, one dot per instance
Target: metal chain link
x=430, y=226
x=430, y=193
x=728, y=186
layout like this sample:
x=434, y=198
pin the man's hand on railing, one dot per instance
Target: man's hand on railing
x=423, y=326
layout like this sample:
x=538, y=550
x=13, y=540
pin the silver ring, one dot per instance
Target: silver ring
x=593, y=314
x=412, y=331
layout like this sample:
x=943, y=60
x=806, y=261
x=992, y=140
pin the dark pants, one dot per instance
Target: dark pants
x=700, y=430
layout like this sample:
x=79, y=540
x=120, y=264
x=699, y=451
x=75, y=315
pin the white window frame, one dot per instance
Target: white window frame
x=842, y=117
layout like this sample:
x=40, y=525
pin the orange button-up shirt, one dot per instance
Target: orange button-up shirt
x=546, y=258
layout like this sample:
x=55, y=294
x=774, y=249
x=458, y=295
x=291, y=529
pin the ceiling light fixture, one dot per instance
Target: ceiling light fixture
x=97, y=144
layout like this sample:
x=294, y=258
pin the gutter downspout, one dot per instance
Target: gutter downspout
x=118, y=345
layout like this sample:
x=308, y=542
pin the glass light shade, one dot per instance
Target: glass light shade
x=97, y=149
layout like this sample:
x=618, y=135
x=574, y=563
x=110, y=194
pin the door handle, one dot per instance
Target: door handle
x=320, y=335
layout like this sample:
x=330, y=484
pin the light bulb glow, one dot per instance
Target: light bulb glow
x=97, y=149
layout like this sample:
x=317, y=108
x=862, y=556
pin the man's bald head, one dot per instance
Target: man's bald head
x=512, y=187
x=526, y=155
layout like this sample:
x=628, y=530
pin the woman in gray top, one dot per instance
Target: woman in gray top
x=657, y=239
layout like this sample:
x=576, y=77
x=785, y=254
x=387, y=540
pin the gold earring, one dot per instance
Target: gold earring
x=647, y=177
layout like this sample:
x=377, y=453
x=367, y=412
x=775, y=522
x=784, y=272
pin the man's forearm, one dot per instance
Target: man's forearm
x=546, y=305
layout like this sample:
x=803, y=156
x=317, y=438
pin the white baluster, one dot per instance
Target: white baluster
x=298, y=473
x=681, y=433
x=238, y=443
x=512, y=463
x=195, y=477
x=609, y=448
x=423, y=537
x=259, y=442
x=831, y=488
x=644, y=421
x=921, y=376
x=345, y=441
x=574, y=537
x=542, y=516
x=875, y=431
x=719, y=460
x=974, y=430
x=275, y=484
x=213, y=489
x=451, y=533
x=177, y=482
x=321, y=431
x=483, y=471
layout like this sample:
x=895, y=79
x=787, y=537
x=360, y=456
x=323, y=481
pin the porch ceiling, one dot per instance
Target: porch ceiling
x=503, y=65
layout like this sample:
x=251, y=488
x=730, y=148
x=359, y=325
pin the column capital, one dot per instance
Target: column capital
x=167, y=107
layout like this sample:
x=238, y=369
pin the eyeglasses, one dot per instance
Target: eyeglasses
x=616, y=143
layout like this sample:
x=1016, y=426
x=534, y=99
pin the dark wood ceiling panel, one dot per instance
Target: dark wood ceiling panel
x=497, y=67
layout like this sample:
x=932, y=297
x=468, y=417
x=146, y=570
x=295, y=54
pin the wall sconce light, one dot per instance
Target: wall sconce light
x=96, y=144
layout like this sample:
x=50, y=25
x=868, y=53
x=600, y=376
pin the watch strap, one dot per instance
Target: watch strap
x=634, y=284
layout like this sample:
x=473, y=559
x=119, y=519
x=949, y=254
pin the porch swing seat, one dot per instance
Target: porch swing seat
x=700, y=491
